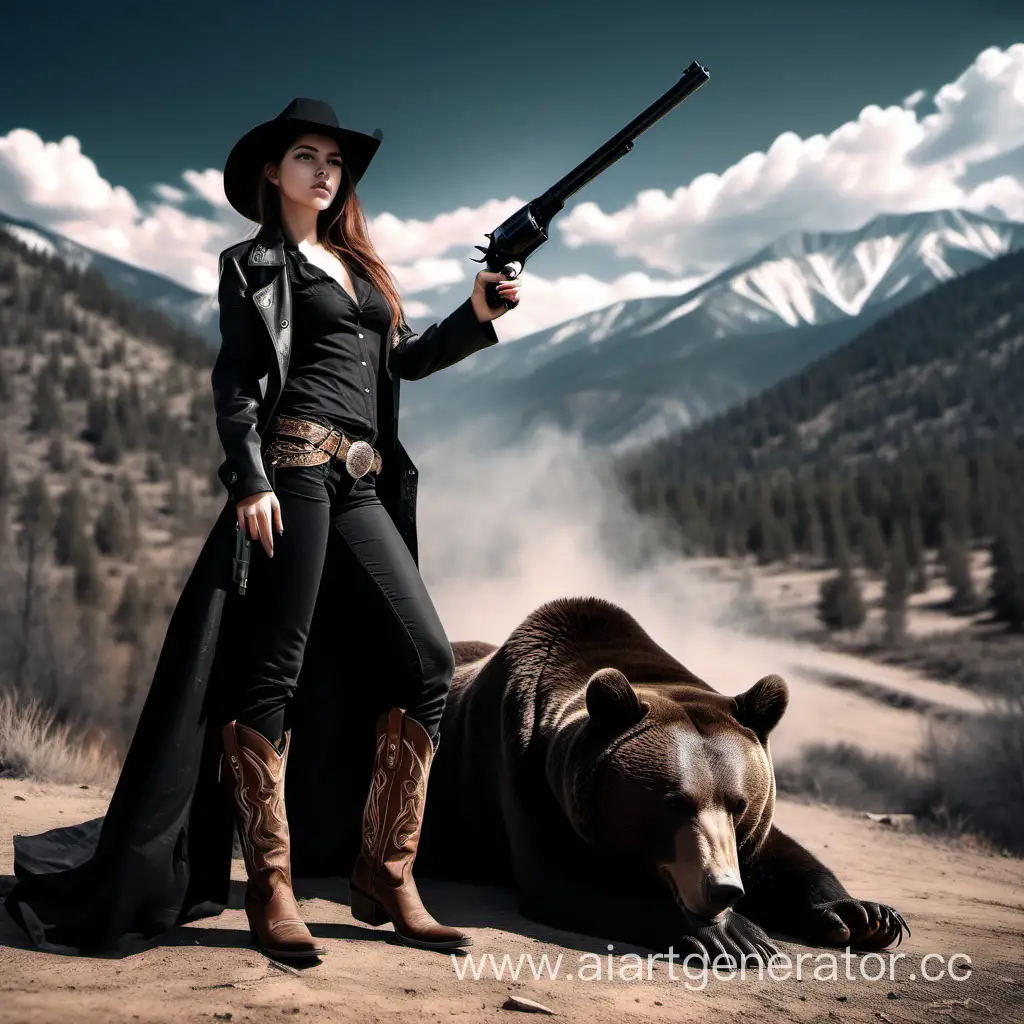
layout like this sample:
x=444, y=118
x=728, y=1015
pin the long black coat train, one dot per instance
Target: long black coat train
x=162, y=853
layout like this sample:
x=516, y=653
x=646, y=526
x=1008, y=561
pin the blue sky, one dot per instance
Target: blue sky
x=117, y=118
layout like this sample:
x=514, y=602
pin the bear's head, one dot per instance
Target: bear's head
x=678, y=777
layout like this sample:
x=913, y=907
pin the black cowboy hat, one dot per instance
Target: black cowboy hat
x=249, y=154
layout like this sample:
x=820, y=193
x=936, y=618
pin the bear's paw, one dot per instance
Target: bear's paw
x=731, y=935
x=859, y=924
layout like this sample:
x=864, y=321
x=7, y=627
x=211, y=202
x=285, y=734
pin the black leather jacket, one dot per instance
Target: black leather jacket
x=252, y=366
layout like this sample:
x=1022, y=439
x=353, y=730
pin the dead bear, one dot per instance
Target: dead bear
x=624, y=797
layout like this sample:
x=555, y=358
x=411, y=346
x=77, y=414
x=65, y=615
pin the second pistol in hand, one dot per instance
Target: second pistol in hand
x=255, y=515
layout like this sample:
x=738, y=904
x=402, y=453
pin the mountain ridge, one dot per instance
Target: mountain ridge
x=612, y=373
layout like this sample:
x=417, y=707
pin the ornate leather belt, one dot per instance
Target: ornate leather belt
x=322, y=443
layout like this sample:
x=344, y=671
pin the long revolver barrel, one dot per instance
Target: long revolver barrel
x=520, y=235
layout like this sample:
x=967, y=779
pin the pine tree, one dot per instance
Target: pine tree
x=956, y=560
x=111, y=529
x=6, y=472
x=840, y=603
x=872, y=545
x=38, y=513
x=6, y=536
x=48, y=413
x=130, y=615
x=984, y=501
x=179, y=503
x=836, y=540
x=132, y=509
x=897, y=588
x=1007, y=597
x=57, y=454
x=956, y=495
x=915, y=553
x=110, y=447
x=97, y=416
x=128, y=413
x=78, y=384
x=71, y=528
x=89, y=584
x=54, y=367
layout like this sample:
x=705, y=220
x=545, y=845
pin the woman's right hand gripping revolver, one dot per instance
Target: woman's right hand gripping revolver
x=255, y=514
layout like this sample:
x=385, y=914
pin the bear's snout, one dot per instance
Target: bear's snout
x=704, y=874
x=721, y=895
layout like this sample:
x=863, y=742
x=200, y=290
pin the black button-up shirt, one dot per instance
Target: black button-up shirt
x=336, y=348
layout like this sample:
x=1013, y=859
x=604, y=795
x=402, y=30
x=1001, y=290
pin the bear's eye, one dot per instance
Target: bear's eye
x=680, y=802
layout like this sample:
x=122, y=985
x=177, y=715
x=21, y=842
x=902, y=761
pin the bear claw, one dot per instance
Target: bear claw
x=730, y=934
x=860, y=924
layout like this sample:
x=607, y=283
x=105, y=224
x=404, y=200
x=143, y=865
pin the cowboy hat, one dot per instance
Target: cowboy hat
x=246, y=160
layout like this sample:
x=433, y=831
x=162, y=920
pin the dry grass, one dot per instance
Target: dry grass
x=34, y=745
x=969, y=779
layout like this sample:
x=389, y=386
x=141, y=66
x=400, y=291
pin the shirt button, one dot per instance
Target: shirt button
x=360, y=335
x=363, y=361
x=284, y=323
x=366, y=389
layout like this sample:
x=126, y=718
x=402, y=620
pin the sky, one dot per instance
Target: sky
x=116, y=119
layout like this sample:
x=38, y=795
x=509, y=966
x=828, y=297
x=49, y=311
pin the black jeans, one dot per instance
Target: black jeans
x=320, y=506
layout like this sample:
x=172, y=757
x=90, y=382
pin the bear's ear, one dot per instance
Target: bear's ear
x=612, y=702
x=761, y=707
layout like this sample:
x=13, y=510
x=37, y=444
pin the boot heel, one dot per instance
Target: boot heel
x=367, y=910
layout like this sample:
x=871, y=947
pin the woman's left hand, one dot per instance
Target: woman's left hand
x=506, y=289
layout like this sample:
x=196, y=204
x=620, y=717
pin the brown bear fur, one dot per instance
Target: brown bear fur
x=579, y=755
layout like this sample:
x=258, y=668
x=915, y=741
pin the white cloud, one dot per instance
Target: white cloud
x=55, y=185
x=1002, y=196
x=424, y=273
x=170, y=194
x=887, y=160
x=405, y=241
x=980, y=115
x=209, y=185
x=547, y=301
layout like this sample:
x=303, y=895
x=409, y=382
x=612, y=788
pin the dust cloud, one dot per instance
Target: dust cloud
x=503, y=530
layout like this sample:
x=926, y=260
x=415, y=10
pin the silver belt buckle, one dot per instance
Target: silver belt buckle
x=359, y=459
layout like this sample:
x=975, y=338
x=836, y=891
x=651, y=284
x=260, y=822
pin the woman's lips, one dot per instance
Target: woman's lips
x=322, y=188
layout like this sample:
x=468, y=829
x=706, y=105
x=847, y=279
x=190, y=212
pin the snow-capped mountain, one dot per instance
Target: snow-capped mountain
x=189, y=308
x=638, y=369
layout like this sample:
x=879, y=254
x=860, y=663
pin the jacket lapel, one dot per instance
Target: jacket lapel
x=273, y=299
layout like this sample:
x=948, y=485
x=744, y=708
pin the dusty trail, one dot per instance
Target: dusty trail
x=956, y=900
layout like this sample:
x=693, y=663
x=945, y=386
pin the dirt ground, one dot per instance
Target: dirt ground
x=958, y=901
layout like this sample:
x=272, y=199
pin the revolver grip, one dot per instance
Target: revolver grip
x=511, y=271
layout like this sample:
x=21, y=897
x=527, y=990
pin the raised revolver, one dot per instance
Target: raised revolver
x=520, y=235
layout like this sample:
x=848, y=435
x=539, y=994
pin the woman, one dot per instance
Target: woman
x=306, y=394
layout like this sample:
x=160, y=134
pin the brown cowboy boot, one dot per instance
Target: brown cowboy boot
x=256, y=782
x=381, y=880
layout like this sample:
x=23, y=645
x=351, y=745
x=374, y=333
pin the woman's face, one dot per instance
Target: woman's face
x=310, y=163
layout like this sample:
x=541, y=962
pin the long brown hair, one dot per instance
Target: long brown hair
x=341, y=230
